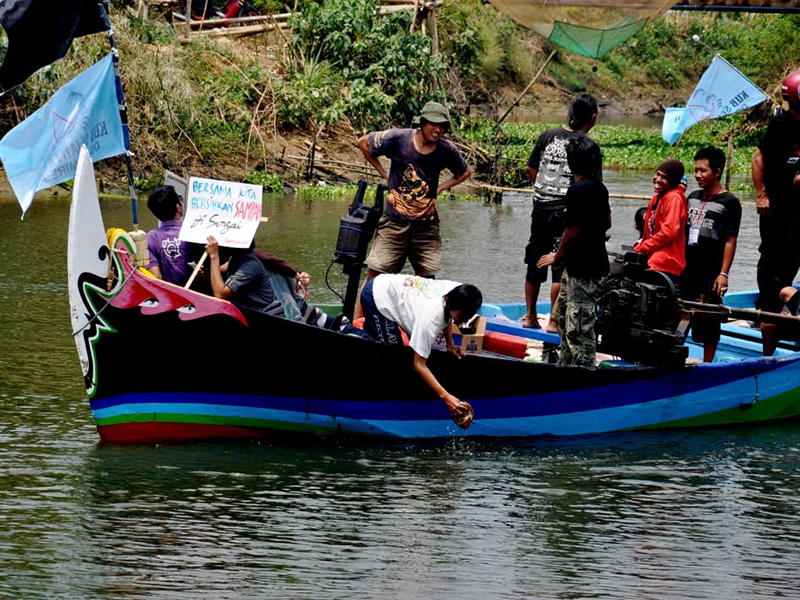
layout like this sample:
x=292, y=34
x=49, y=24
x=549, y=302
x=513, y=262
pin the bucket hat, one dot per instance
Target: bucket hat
x=434, y=112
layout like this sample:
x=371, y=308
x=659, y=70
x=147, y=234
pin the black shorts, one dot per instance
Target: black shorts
x=779, y=257
x=547, y=227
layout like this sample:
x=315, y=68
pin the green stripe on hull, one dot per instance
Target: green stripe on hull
x=782, y=406
x=266, y=424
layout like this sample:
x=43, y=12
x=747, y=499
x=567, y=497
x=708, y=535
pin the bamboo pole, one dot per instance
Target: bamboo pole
x=241, y=31
x=433, y=31
x=527, y=87
x=499, y=188
x=413, y=16
x=730, y=161
x=240, y=20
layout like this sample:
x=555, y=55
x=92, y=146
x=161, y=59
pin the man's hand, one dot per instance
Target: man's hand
x=720, y=285
x=762, y=204
x=455, y=350
x=461, y=412
x=212, y=248
x=302, y=284
x=546, y=260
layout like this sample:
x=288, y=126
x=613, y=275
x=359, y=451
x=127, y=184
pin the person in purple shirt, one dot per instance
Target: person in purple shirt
x=169, y=256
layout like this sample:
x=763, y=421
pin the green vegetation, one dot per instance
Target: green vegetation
x=623, y=146
x=228, y=108
x=272, y=183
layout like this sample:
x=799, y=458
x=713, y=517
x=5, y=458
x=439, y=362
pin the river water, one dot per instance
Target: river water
x=701, y=514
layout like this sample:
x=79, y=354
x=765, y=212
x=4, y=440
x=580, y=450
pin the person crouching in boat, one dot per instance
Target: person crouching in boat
x=583, y=251
x=423, y=308
x=664, y=239
x=247, y=283
x=714, y=215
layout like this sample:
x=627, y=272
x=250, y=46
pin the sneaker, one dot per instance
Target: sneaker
x=338, y=322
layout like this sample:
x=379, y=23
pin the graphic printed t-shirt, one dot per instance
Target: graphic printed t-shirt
x=414, y=177
x=587, y=208
x=250, y=283
x=708, y=224
x=416, y=304
x=549, y=158
x=168, y=253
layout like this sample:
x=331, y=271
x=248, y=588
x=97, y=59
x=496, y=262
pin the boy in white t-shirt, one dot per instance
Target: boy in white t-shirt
x=423, y=308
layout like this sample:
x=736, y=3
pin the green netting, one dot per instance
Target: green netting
x=588, y=27
x=592, y=42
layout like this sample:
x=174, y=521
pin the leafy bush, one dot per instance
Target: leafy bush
x=377, y=57
x=271, y=182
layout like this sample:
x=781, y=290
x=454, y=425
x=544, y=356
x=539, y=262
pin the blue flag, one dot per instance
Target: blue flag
x=43, y=150
x=722, y=91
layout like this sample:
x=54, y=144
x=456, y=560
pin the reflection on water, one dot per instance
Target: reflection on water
x=701, y=514
x=683, y=514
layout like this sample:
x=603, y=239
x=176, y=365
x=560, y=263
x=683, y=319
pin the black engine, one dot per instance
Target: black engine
x=638, y=314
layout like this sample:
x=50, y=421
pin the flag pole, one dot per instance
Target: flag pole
x=123, y=112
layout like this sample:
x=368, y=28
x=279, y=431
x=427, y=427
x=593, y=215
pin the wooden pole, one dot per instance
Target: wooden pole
x=241, y=31
x=675, y=147
x=196, y=270
x=433, y=32
x=500, y=188
x=730, y=161
x=241, y=20
x=414, y=17
x=529, y=86
x=188, y=29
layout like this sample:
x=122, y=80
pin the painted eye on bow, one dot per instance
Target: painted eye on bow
x=149, y=303
x=188, y=309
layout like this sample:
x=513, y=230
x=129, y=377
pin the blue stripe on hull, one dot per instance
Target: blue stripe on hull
x=604, y=409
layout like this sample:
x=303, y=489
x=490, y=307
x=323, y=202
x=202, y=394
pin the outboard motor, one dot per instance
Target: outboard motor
x=356, y=229
x=638, y=316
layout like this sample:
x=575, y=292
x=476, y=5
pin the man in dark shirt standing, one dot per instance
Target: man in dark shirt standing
x=774, y=165
x=583, y=252
x=551, y=177
x=713, y=218
x=409, y=228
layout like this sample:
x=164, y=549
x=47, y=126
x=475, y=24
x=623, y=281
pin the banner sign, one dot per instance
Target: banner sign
x=227, y=210
x=721, y=91
x=43, y=150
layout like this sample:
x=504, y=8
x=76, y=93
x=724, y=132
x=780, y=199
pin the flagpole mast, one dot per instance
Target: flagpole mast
x=123, y=112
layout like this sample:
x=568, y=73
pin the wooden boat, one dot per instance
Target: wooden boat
x=165, y=364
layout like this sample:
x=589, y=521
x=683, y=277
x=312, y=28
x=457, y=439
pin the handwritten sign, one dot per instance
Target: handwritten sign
x=227, y=210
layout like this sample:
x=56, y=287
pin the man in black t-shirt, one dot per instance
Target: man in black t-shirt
x=583, y=252
x=774, y=164
x=551, y=176
x=712, y=230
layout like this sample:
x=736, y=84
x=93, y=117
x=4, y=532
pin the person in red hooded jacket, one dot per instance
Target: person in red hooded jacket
x=664, y=239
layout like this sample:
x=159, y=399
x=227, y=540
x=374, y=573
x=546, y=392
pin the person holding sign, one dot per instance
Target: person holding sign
x=714, y=215
x=247, y=284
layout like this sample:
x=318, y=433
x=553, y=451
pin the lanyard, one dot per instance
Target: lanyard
x=699, y=217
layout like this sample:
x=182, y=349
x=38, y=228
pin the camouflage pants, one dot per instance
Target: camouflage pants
x=574, y=313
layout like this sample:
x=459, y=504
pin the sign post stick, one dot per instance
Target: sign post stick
x=196, y=270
